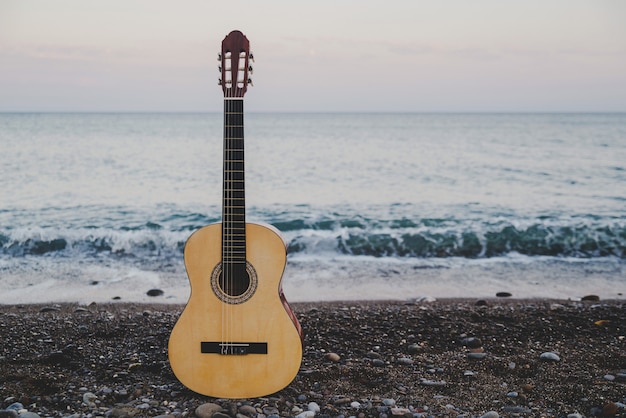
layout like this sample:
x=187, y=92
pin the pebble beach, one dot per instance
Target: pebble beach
x=495, y=357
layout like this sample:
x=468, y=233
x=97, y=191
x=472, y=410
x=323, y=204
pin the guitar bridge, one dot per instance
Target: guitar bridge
x=232, y=348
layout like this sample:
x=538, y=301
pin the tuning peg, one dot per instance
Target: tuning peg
x=252, y=57
x=250, y=82
x=219, y=68
x=250, y=69
x=219, y=81
x=219, y=56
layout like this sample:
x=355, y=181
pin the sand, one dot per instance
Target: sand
x=456, y=357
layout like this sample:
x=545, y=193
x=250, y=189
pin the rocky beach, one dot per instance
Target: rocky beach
x=420, y=358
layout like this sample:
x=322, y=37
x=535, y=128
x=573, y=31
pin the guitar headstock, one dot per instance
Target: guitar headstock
x=235, y=64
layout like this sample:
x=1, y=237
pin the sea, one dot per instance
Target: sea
x=96, y=207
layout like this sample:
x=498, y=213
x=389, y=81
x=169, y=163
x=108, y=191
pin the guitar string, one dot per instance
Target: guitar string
x=225, y=219
x=228, y=212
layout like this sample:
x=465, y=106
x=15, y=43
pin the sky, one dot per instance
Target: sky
x=322, y=55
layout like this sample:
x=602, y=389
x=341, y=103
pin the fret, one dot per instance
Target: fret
x=233, y=192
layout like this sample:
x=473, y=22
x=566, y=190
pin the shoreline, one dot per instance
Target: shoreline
x=447, y=357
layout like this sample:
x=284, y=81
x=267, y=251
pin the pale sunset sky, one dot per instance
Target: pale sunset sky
x=322, y=55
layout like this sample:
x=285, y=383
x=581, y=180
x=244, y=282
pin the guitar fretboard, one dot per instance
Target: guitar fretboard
x=233, y=205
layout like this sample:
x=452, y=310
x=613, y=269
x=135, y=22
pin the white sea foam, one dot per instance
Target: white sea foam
x=310, y=279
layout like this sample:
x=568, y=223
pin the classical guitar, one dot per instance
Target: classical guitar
x=237, y=337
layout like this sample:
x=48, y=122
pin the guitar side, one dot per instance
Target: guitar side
x=265, y=319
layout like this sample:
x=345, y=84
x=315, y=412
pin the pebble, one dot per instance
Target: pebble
x=15, y=406
x=89, y=399
x=306, y=414
x=610, y=409
x=400, y=412
x=550, y=356
x=427, y=382
x=206, y=410
x=490, y=414
x=476, y=356
x=247, y=410
x=154, y=292
x=472, y=342
x=270, y=410
x=314, y=407
x=414, y=348
x=29, y=414
x=334, y=357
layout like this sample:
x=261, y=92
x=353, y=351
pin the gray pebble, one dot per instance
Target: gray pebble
x=15, y=406
x=28, y=414
x=427, y=382
x=247, y=410
x=154, y=292
x=206, y=410
x=89, y=399
x=270, y=410
x=549, y=356
x=313, y=407
x=414, y=348
x=490, y=414
x=476, y=356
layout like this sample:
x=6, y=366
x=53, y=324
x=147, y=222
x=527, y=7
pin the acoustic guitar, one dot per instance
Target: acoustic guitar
x=237, y=337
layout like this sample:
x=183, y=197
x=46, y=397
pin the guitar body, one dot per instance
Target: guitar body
x=263, y=318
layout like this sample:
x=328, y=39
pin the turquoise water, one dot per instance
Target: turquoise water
x=372, y=206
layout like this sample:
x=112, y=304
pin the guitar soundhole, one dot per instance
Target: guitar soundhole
x=236, y=285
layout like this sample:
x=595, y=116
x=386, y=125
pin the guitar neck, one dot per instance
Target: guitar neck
x=233, y=196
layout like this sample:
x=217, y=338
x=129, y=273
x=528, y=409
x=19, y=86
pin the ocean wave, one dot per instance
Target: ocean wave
x=425, y=238
x=146, y=243
x=536, y=240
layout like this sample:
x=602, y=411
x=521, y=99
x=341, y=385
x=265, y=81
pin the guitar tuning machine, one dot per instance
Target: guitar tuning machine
x=250, y=69
x=219, y=56
x=251, y=57
x=219, y=81
x=250, y=82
